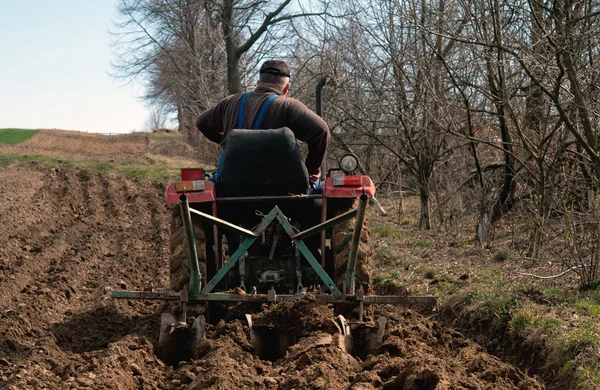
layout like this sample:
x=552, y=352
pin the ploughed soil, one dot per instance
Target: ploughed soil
x=69, y=237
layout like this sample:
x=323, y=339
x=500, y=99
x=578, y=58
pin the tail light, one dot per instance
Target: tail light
x=347, y=181
x=190, y=186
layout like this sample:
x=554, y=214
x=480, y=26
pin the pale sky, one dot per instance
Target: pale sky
x=54, y=63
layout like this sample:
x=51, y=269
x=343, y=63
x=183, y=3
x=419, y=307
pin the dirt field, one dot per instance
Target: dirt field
x=136, y=148
x=69, y=237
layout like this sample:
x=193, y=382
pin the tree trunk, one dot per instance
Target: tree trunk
x=181, y=120
x=234, y=84
x=484, y=229
x=425, y=220
x=193, y=136
x=505, y=201
x=400, y=196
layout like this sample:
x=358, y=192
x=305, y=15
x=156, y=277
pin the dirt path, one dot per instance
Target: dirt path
x=69, y=237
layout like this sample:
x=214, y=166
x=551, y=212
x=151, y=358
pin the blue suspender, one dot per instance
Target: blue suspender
x=261, y=114
x=216, y=175
x=240, y=123
x=263, y=110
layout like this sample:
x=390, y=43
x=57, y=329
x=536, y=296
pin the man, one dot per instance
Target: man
x=268, y=107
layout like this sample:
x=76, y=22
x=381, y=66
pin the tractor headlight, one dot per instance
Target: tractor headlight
x=349, y=163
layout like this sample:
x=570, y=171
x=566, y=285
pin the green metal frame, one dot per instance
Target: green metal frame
x=197, y=294
x=195, y=276
x=264, y=298
x=195, y=291
x=350, y=276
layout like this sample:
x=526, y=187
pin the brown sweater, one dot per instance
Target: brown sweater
x=307, y=126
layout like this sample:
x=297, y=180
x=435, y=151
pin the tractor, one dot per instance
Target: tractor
x=260, y=235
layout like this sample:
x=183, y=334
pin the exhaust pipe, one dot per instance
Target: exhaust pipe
x=319, y=98
x=319, y=111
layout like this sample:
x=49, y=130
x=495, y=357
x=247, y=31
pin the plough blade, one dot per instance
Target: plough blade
x=362, y=338
x=354, y=338
x=269, y=342
x=178, y=341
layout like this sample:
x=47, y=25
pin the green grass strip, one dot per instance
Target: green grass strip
x=16, y=136
x=151, y=172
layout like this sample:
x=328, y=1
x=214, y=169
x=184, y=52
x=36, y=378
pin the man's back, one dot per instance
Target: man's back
x=307, y=126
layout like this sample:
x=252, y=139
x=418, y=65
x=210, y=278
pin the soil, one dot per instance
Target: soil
x=70, y=237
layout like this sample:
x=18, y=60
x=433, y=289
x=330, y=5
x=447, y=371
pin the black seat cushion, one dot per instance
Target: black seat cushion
x=262, y=163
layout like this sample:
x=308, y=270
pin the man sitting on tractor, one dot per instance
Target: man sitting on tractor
x=268, y=107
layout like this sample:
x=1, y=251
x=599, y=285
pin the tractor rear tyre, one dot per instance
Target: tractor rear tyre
x=341, y=237
x=179, y=264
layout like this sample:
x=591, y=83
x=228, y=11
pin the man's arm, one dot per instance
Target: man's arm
x=209, y=124
x=312, y=129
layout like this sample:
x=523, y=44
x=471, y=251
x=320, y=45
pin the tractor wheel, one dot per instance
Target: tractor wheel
x=179, y=265
x=341, y=237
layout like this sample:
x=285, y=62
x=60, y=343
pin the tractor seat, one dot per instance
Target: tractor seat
x=262, y=163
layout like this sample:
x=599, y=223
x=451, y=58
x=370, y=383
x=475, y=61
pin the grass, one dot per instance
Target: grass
x=421, y=244
x=588, y=376
x=16, y=136
x=531, y=318
x=386, y=279
x=564, y=327
x=9, y=158
x=156, y=157
x=382, y=251
x=386, y=230
x=152, y=172
x=587, y=308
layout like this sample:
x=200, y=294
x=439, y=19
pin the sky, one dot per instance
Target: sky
x=54, y=68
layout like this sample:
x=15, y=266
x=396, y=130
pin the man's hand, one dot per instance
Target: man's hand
x=312, y=178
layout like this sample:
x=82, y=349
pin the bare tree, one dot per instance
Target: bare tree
x=175, y=47
x=390, y=93
x=189, y=52
x=252, y=25
x=157, y=120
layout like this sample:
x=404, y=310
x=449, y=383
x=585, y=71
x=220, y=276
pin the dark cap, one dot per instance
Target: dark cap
x=276, y=67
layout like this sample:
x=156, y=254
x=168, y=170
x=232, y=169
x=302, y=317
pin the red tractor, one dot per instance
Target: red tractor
x=259, y=235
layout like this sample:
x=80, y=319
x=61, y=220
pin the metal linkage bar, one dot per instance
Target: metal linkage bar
x=195, y=277
x=325, y=225
x=224, y=224
x=318, y=269
x=240, y=250
x=228, y=265
x=307, y=254
x=263, y=298
x=350, y=277
x=149, y=295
